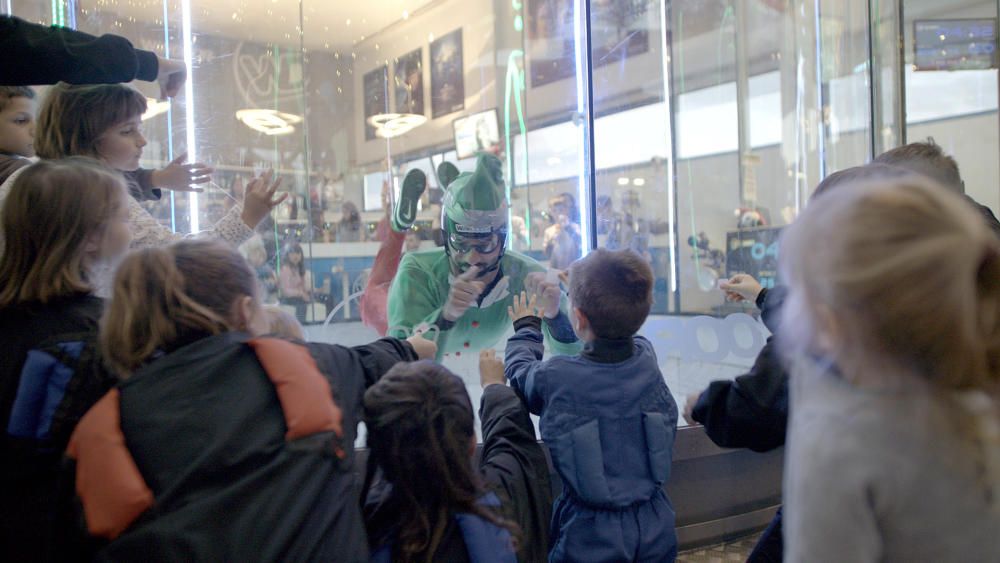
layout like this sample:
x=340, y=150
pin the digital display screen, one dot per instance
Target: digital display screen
x=478, y=132
x=961, y=44
x=754, y=252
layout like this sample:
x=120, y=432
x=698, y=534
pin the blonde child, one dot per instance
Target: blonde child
x=219, y=445
x=62, y=220
x=893, y=324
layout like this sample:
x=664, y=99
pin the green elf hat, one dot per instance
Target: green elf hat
x=475, y=204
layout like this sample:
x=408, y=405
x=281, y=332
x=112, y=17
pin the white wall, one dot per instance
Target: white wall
x=974, y=142
x=476, y=19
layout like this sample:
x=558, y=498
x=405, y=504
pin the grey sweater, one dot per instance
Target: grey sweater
x=878, y=475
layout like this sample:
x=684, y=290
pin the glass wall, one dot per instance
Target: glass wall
x=950, y=80
x=691, y=131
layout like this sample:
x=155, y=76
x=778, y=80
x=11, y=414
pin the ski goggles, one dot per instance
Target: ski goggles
x=483, y=245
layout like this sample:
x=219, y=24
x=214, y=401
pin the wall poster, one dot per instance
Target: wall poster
x=447, y=75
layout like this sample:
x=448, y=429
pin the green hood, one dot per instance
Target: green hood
x=476, y=203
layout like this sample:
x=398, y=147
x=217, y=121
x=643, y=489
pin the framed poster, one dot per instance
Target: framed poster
x=619, y=29
x=550, y=41
x=376, y=101
x=479, y=132
x=408, y=82
x=447, y=75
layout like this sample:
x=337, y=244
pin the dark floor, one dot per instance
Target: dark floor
x=732, y=551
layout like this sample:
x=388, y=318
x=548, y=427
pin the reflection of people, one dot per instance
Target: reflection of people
x=562, y=241
x=631, y=230
x=464, y=289
x=412, y=242
x=256, y=255
x=295, y=281
x=349, y=226
x=518, y=233
x=605, y=214
x=610, y=403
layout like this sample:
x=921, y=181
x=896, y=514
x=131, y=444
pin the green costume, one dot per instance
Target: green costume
x=474, y=209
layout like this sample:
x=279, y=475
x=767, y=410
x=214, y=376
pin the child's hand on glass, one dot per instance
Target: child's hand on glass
x=425, y=349
x=259, y=198
x=490, y=369
x=181, y=177
x=524, y=307
x=547, y=290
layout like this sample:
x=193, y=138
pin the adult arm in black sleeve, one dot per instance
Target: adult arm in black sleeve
x=750, y=411
x=770, y=302
x=354, y=370
x=516, y=469
x=35, y=54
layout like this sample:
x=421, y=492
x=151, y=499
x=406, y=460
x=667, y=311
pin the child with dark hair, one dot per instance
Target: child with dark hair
x=606, y=415
x=421, y=431
x=219, y=444
x=17, y=128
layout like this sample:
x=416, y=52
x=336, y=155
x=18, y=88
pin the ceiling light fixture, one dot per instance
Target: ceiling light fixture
x=269, y=121
x=389, y=125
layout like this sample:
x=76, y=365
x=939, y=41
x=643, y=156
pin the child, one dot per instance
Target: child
x=606, y=415
x=421, y=430
x=62, y=219
x=104, y=122
x=219, y=446
x=17, y=128
x=17, y=132
x=295, y=283
x=894, y=440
